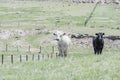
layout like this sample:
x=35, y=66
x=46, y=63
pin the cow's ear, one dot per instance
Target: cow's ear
x=103, y=33
x=64, y=34
x=96, y=33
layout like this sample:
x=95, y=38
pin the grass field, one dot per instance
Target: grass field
x=78, y=65
x=81, y=63
x=35, y=14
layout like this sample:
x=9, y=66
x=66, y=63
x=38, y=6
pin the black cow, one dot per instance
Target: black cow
x=98, y=43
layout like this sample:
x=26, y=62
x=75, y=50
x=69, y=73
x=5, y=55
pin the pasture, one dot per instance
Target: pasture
x=30, y=23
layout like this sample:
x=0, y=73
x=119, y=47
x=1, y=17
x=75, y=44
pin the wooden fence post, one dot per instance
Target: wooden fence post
x=2, y=58
x=40, y=49
x=17, y=48
x=12, y=59
x=6, y=47
x=33, y=57
x=56, y=54
x=26, y=57
x=53, y=49
x=51, y=55
x=38, y=57
x=20, y=58
x=43, y=56
x=29, y=49
x=48, y=55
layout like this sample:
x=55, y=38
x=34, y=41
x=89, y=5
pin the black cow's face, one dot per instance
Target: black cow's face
x=100, y=35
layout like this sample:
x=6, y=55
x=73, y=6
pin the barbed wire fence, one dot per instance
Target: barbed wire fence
x=14, y=54
x=26, y=54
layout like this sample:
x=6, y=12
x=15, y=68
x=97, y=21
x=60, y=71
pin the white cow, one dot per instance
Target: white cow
x=63, y=42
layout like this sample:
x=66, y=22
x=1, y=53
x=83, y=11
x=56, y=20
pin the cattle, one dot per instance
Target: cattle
x=98, y=43
x=63, y=42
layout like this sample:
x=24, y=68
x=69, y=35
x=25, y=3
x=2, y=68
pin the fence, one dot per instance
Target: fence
x=25, y=48
x=15, y=55
x=24, y=58
x=11, y=58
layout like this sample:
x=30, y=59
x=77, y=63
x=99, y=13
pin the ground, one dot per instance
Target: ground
x=31, y=23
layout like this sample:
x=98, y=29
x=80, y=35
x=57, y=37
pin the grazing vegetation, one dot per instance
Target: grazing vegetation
x=24, y=23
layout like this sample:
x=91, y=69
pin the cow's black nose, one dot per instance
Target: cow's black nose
x=57, y=39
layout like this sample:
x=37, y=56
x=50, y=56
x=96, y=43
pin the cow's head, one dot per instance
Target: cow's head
x=100, y=35
x=59, y=35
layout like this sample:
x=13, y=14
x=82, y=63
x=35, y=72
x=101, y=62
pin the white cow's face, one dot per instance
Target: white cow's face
x=58, y=35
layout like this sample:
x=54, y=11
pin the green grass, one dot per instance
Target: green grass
x=33, y=14
x=81, y=63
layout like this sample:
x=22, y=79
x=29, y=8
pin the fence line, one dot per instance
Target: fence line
x=29, y=49
x=24, y=58
x=30, y=57
x=50, y=49
x=26, y=48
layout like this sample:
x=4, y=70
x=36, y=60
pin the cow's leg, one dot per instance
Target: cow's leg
x=101, y=50
x=60, y=51
x=95, y=51
x=98, y=51
x=65, y=53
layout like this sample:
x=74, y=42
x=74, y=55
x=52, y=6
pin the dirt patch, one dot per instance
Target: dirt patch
x=84, y=40
x=6, y=34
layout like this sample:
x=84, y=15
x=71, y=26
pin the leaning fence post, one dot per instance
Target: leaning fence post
x=12, y=59
x=2, y=58
x=91, y=14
